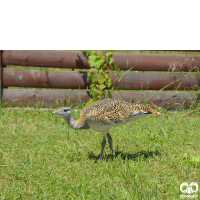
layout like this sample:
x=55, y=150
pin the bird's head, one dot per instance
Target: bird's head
x=64, y=112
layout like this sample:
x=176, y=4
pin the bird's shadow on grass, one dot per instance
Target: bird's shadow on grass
x=140, y=155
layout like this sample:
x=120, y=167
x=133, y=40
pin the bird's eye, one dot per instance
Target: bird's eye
x=65, y=110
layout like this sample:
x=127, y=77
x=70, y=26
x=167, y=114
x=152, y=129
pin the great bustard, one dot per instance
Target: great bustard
x=103, y=114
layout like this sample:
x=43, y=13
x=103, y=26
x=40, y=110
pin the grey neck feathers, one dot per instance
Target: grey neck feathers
x=73, y=124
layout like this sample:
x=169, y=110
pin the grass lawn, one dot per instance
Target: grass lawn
x=41, y=157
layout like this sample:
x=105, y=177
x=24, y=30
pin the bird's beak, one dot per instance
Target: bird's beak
x=158, y=113
x=54, y=113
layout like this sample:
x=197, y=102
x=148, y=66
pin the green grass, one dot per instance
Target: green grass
x=43, y=158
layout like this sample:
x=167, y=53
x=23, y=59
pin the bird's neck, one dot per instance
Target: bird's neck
x=75, y=124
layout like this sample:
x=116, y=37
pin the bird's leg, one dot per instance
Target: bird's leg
x=110, y=143
x=103, y=144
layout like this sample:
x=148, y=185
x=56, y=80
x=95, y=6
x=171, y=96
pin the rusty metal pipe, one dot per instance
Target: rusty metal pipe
x=45, y=98
x=43, y=58
x=44, y=78
x=161, y=99
x=77, y=80
x=77, y=60
x=56, y=98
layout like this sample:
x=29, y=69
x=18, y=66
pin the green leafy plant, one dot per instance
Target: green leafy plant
x=98, y=76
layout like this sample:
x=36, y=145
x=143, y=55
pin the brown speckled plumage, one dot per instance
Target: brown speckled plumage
x=112, y=109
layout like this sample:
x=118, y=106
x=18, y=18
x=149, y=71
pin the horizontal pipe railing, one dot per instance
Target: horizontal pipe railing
x=78, y=80
x=77, y=60
x=13, y=77
x=55, y=98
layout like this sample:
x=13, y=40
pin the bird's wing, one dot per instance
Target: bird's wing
x=110, y=111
